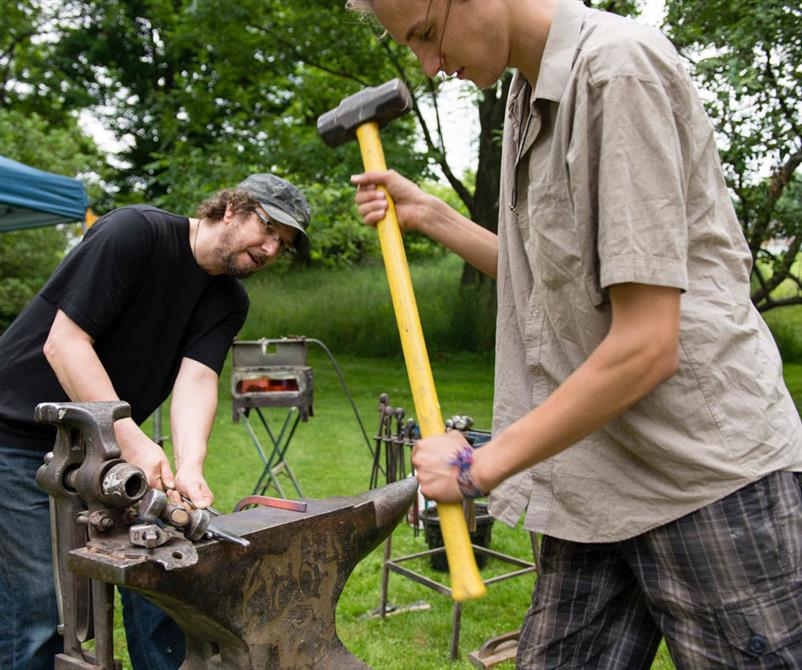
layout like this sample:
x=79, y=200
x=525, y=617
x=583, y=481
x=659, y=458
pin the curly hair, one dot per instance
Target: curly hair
x=214, y=208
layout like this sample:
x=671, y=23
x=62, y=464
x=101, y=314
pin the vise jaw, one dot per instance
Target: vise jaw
x=85, y=461
x=91, y=491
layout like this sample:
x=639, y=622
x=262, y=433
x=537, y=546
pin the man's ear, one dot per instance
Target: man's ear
x=229, y=214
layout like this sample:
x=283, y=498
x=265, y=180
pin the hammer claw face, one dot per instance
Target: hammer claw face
x=379, y=104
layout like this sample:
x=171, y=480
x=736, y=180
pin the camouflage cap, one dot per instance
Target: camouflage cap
x=282, y=201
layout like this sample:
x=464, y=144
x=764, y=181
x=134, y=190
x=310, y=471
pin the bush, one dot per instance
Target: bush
x=27, y=258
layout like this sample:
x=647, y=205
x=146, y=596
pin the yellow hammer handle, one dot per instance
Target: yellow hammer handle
x=466, y=582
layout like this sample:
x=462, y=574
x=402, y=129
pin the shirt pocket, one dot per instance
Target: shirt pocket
x=553, y=243
x=560, y=253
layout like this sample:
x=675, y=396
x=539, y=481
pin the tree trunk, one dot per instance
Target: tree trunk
x=488, y=172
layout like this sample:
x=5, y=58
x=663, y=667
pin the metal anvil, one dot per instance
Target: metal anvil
x=271, y=604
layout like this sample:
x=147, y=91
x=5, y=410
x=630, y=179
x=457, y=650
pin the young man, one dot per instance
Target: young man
x=641, y=420
x=147, y=304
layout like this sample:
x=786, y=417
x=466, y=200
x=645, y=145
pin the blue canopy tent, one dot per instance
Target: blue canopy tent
x=31, y=197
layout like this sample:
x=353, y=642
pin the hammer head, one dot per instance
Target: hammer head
x=381, y=104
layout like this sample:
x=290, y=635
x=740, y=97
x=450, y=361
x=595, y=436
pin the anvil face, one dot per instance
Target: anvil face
x=272, y=604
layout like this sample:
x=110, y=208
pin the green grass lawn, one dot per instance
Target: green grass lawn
x=329, y=456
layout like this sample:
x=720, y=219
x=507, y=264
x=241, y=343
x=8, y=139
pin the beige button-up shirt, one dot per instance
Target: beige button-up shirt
x=611, y=174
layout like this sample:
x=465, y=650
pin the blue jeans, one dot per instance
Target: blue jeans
x=29, y=637
x=155, y=642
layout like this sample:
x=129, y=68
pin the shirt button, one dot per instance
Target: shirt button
x=757, y=644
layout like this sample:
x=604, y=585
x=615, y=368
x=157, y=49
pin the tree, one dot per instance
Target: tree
x=745, y=58
x=19, y=23
x=36, y=128
x=28, y=257
x=207, y=91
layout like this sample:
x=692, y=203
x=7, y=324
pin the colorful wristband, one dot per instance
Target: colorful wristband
x=463, y=459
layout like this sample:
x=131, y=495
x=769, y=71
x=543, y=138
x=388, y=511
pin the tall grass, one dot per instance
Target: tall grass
x=786, y=326
x=351, y=310
x=793, y=380
x=786, y=322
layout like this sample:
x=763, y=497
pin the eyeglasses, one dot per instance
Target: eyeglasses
x=285, y=248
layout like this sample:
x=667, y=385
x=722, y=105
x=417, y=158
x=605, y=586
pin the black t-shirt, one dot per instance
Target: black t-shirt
x=133, y=285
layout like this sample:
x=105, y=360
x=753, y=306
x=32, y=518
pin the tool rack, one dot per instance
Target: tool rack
x=272, y=373
x=394, y=439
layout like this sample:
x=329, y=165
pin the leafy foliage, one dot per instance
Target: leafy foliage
x=28, y=257
x=204, y=92
x=22, y=77
x=746, y=57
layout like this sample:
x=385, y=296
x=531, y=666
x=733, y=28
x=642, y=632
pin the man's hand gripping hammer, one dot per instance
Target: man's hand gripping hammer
x=361, y=115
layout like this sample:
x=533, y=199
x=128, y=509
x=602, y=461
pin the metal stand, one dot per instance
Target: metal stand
x=394, y=437
x=272, y=373
x=91, y=491
x=276, y=463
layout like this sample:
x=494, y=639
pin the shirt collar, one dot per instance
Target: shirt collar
x=558, y=55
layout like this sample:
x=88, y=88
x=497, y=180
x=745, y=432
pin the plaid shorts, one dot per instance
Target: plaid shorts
x=723, y=585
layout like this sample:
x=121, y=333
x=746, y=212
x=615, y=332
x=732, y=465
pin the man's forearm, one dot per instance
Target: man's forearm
x=638, y=354
x=84, y=379
x=192, y=411
x=595, y=394
x=71, y=354
x=475, y=244
x=191, y=417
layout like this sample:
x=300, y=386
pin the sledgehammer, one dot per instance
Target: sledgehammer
x=360, y=116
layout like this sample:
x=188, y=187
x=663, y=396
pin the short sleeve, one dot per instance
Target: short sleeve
x=634, y=176
x=96, y=280
x=219, y=317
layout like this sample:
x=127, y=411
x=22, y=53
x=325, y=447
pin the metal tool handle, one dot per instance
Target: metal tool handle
x=466, y=582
